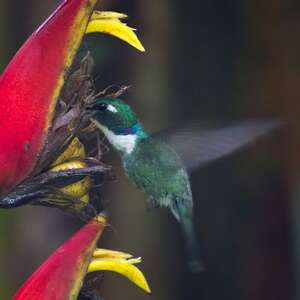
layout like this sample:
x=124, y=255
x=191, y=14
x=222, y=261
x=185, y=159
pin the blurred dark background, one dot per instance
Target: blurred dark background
x=225, y=60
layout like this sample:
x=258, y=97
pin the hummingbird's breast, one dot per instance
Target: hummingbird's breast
x=156, y=169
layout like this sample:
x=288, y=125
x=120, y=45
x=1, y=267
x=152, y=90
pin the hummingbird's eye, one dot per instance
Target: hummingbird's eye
x=101, y=106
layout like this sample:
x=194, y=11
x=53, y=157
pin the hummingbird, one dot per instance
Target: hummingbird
x=155, y=166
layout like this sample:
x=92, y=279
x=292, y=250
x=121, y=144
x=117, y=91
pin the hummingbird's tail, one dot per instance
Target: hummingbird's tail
x=184, y=215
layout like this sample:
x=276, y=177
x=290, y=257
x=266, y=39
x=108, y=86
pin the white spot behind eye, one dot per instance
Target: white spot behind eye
x=112, y=108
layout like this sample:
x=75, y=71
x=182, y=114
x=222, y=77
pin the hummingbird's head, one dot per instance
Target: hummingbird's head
x=118, y=122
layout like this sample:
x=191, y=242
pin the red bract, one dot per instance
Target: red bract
x=30, y=86
x=61, y=276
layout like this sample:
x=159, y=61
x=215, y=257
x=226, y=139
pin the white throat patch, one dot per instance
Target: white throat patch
x=123, y=143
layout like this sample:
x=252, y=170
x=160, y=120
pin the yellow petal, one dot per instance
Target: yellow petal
x=84, y=199
x=102, y=218
x=110, y=23
x=114, y=261
x=79, y=188
x=112, y=15
x=105, y=253
x=74, y=151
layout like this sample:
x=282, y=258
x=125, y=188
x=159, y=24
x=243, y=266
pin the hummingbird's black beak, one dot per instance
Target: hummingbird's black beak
x=90, y=110
x=90, y=107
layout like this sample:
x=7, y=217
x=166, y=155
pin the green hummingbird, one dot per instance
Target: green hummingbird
x=156, y=167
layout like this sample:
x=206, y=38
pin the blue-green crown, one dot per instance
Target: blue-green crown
x=115, y=115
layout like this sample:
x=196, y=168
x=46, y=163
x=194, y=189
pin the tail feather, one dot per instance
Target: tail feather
x=192, y=247
x=185, y=217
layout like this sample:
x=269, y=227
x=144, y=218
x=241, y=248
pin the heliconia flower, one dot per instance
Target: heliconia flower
x=31, y=84
x=61, y=276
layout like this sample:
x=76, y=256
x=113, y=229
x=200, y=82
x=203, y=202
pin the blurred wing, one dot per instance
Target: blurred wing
x=198, y=147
